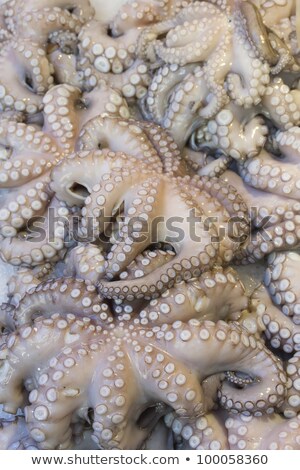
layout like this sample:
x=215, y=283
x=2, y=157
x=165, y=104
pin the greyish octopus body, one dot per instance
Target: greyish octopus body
x=274, y=221
x=181, y=352
x=26, y=72
x=28, y=154
x=241, y=134
x=102, y=346
x=124, y=181
x=14, y=435
x=236, y=51
x=108, y=51
x=216, y=294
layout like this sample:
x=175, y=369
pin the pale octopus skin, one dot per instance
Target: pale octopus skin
x=28, y=155
x=237, y=51
x=26, y=72
x=207, y=432
x=199, y=298
x=122, y=178
x=268, y=433
x=282, y=331
x=108, y=51
x=86, y=338
x=274, y=221
x=239, y=134
x=276, y=175
x=238, y=432
x=14, y=435
x=216, y=294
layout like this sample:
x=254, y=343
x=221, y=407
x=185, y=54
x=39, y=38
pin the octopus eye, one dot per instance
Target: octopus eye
x=79, y=190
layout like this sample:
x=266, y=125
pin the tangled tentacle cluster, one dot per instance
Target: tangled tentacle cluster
x=97, y=203
x=89, y=334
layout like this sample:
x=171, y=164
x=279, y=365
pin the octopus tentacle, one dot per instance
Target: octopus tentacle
x=280, y=330
x=68, y=294
x=56, y=432
x=14, y=435
x=199, y=299
x=102, y=135
x=146, y=262
x=66, y=111
x=25, y=279
x=230, y=398
x=132, y=83
x=204, y=433
x=142, y=210
x=137, y=15
x=186, y=106
x=291, y=406
x=216, y=167
x=27, y=153
x=279, y=279
x=258, y=32
x=22, y=91
x=103, y=100
x=81, y=8
x=288, y=143
x=107, y=53
x=60, y=120
x=64, y=66
x=274, y=238
x=85, y=261
x=39, y=343
x=270, y=174
x=135, y=138
x=274, y=433
x=164, y=80
x=40, y=244
x=281, y=104
x=234, y=137
x=75, y=177
x=27, y=24
x=21, y=208
x=166, y=147
x=243, y=92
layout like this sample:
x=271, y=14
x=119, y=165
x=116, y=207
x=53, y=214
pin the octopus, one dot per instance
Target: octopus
x=233, y=49
x=277, y=175
x=141, y=158
x=274, y=221
x=125, y=182
x=216, y=294
x=231, y=132
x=275, y=432
x=26, y=72
x=28, y=154
x=108, y=349
x=14, y=435
x=109, y=51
